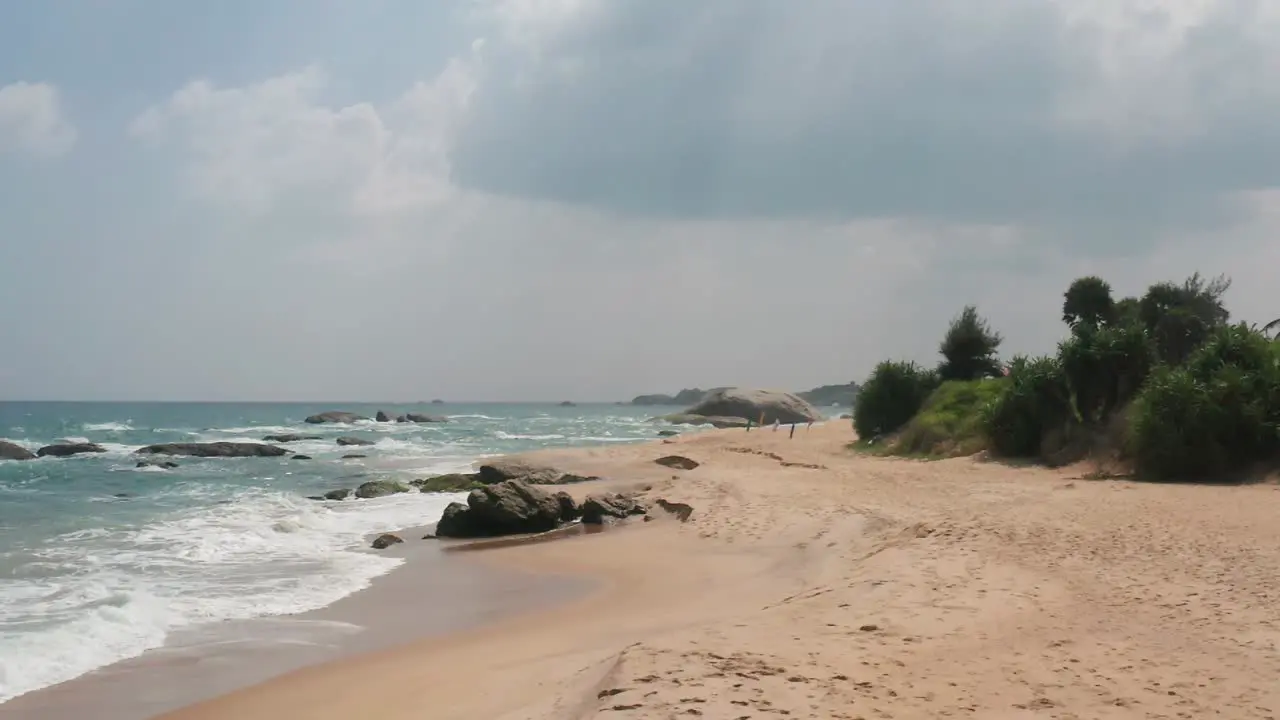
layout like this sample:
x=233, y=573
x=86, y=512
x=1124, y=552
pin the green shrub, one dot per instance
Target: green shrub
x=1105, y=367
x=1217, y=415
x=969, y=348
x=950, y=422
x=1035, y=400
x=891, y=396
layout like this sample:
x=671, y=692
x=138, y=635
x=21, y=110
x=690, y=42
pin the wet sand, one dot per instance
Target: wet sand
x=433, y=593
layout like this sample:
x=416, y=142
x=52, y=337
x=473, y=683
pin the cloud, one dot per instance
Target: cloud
x=31, y=120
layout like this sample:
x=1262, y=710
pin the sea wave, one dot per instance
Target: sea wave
x=107, y=427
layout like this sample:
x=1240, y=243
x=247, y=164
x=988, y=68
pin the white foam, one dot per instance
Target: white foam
x=107, y=427
x=264, y=553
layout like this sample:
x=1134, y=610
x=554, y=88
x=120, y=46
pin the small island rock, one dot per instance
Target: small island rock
x=69, y=449
x=335, y=416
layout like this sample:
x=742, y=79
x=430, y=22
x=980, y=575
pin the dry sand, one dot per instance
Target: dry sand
x=859, y=588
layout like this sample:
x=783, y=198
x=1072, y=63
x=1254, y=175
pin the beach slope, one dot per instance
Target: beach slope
x=812, y=582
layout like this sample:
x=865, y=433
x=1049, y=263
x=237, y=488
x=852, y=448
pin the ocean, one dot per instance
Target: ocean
x=101, y=560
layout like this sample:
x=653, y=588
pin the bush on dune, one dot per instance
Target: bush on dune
x=1035, y=401
x=949, y=423
x=891, y=396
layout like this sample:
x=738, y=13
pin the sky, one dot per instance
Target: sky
x=592, y=199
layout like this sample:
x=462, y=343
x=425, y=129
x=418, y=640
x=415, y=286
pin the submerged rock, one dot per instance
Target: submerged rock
x=385, y=540
x=14, y=451
x=382, y=416
x=421, y=418
x=381, y=488
x=611, y=505
x=354, y=456
x=165, y=464
x=301, y=457
x=761, y=406
x=346, y=440
x=510, y=507
x=335, y=416
x=69, y=449
x=341, y=494
x=668, y=433
x=290, y=437
x=678, y=462
x=214, y=449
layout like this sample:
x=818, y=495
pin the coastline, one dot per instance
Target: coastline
x=815, y=582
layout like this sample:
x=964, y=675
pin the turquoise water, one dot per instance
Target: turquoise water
x=101, y=560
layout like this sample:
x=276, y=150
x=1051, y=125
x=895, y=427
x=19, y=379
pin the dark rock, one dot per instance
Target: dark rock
x=381, y=488
x=69, y=449
x=497, y=471
x=344, y=441
x=315, y=497
x=680, y=510
x=165, y=464
x=570, y=479
x=385, y=540
x=289, y=437
x=846, y=416
x=717, y=422
x=453, y=482
x=354, y=456
x=13, y=451
x=508, y=508
x=679, y=462
x=568, y=507
x=611, y=505
x=342, y=494
x=437, y=402
x=335, y=416
x=762, y=406
x=421, y=418
x=568, y=403
x=122, y=496
x=382, y=416
x=301, y=457
x=668, y=433
x=214, y=449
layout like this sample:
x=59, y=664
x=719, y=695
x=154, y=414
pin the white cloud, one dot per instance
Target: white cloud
x=31, y=120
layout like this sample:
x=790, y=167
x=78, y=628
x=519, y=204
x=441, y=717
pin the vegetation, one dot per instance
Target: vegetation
x=1161, y=381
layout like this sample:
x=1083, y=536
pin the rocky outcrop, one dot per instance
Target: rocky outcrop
x=381, y=488
x=14, y=451
x=214, y=449
x=341, y=494
x=691, y=419
x=496, y=471
x=508, y=508
x=421, y=418
x=763, y=406
x=383, y=416
x=346, y=440
x=568, y=403
x=688, y=396
x=453, y=482
x=678, y=462
x=69, y=449
x=162, y=464
x=290, y=437
x=569, y=510
x=385, y=540
x=335, y=416
x=597, y=508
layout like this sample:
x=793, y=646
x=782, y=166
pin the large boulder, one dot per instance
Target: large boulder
x=345, y=441
x=508, y=508
x=335, y=416
x=340, y=494
x=69, y=449
x=421, y=418
x=381, y=488
x=384, y=416
x=496, y=471
x=214, y=449
x=14, y=451
x=290, y=437
x=596, y=508
x=385, y=540
x=767, y=406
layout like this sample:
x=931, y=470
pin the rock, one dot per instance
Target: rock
x=354, y=456
x=507, y=508
x=344, y=441
x=301, y=457
x=14, y=451
x=214, y=449
x=691, y=419
x=680, y=510
x=496, y=471
x=668, y=433
x=751, y=405
x=421, y=418
x=437, y=402
x=165, y=464
x=382, y=416
x=315, y=497
x=568, y=507
x=381, y=488
x=846, y=416
x=385, y=540
x=678, y=462
x=453, y=482
x=839, y=395
x=611, y=505
x=288, y=438
x=570, y=479
x=69, y=449
x=335, y=416
x=568, y=403
x=342, y=494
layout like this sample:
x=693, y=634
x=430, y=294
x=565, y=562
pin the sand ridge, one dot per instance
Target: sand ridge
x=812, y=582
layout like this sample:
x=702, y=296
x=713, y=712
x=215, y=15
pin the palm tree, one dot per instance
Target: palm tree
x=1273, y=325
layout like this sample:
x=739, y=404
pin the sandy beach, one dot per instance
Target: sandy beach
x=813, y=582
